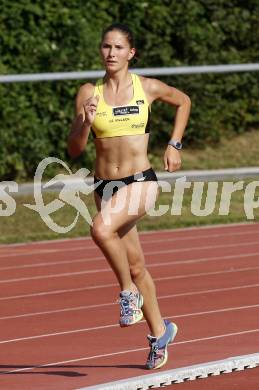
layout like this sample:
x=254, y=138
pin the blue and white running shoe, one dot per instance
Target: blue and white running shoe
x=130, y=308
x=158, y=354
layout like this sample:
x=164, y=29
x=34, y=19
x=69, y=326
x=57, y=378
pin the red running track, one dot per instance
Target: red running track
x=59, y=313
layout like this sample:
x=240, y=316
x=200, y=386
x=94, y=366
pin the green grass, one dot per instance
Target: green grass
x=239, y=151
x=26, y=225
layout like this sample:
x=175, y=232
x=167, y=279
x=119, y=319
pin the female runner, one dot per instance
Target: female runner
x=116, y=110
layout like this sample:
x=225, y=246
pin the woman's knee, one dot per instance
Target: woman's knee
x=100, y=231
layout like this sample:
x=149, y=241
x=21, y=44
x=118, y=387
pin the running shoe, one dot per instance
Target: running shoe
x=158, y=347
x=130, y=308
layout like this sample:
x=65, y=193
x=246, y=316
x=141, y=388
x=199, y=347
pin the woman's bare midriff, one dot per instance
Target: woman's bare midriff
x=118, y=157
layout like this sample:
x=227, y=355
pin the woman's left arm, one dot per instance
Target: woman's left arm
x=157, y=90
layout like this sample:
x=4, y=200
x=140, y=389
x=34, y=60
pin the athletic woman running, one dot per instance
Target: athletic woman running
x=116, y=110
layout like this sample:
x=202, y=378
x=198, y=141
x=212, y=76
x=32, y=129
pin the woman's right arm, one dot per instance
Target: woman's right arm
x=85, y=112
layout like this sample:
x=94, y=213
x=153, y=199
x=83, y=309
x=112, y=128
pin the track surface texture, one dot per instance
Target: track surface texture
x=59, y=315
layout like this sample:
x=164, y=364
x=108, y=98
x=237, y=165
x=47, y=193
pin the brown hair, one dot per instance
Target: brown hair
x=123, y=28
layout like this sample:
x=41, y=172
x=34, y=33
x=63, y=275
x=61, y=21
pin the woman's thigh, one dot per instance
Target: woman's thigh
x=126, y=206
x=128, y=233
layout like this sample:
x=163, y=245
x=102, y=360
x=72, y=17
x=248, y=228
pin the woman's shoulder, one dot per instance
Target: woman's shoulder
x=150, y=85
x=86, y=90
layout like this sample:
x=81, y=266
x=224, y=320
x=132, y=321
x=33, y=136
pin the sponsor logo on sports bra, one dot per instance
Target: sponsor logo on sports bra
x=122, y=119
x=127, y=110
x=140, y=102
x=104, y=113
x=136, y=126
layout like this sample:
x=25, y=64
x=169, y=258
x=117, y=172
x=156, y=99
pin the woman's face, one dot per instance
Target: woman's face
x=116, y=51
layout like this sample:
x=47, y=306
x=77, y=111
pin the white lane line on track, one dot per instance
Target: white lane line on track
x=68, y=309
x=80, y=289
x=228, y=226
x=87, y=247
x=102, y=258
x=94, y=271
x=225, y=226
x=249, y=331
x=98, y=270
x=73, y=331
x=151, y=265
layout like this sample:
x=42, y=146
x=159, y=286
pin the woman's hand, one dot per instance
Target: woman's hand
x=172, y=159
x=90, y=106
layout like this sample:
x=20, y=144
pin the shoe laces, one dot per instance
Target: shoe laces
x=125, y=305
x=153, y=349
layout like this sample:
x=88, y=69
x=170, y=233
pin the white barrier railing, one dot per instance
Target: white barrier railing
x=142, y=71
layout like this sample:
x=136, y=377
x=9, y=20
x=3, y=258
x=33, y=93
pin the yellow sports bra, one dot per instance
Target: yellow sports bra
x=116, y=121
